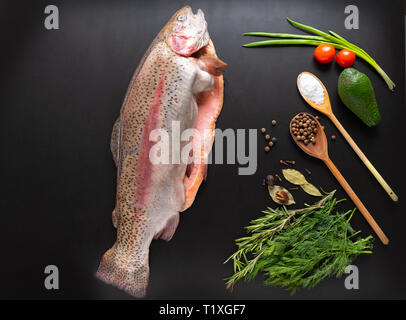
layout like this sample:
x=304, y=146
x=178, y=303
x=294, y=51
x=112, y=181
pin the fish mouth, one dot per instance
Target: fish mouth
x=188, y=34
x=202, y=33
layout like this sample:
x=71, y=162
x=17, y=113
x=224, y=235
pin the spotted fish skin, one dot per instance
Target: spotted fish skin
x=150, y=196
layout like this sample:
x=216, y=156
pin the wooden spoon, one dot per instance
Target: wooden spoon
x=325, y=108
x=319, y=150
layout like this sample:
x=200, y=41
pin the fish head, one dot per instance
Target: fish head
x=187, y=32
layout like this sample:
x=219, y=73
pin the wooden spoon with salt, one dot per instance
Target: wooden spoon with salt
x=325, y=108
x=319, y=150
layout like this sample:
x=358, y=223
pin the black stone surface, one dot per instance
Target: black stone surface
x=61, y=91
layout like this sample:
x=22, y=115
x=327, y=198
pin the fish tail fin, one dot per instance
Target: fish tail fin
x=131, y=277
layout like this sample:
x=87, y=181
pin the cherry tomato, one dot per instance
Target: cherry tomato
x=324, y=53
x=345, y=58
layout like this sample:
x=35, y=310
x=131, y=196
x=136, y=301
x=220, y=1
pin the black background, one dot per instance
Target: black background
x=61, y=91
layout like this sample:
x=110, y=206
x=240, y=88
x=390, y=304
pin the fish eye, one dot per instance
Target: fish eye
x=181, y=18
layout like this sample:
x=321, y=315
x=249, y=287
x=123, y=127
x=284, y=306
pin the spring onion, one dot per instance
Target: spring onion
x=320, y=37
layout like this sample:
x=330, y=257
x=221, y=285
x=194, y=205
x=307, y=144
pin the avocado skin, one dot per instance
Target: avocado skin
x=356, y=92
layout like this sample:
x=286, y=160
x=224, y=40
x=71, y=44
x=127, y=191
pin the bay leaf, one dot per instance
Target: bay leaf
x=311, y=189
x=273, y=193
x=294, y=176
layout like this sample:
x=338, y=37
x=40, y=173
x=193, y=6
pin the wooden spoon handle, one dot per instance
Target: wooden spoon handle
x=356, y=201
x=364, y=159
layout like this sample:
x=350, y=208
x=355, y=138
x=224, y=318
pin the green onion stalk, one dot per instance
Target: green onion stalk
x=320, y=37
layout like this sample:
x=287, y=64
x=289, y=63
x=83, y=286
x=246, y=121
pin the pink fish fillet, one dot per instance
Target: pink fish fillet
x=179, y=80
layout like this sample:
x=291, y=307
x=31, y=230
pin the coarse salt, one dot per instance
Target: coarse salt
x=311, y=88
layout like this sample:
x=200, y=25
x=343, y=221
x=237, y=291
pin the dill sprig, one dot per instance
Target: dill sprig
x=299, y=247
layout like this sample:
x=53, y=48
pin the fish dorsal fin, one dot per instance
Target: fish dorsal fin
x=115, y=141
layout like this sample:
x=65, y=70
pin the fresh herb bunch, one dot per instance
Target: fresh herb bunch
x=298, y=247
x=320, y=37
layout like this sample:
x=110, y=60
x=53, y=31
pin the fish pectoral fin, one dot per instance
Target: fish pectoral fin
x=167, y=232
x=115, y=140
x=212, y=64
x=203, y=81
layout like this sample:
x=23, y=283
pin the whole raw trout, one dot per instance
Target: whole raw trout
x=178, y=81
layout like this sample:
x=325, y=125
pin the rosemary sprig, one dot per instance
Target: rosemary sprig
x=320, y=37
x=298, y=247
